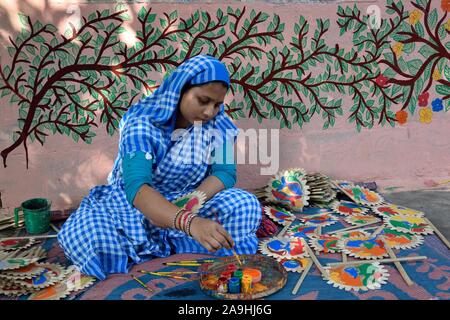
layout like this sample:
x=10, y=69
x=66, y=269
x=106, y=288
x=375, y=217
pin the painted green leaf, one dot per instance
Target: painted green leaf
x=432, y=18
x=23, y=19
x=141, y=14
x=420, y=30
x=414, y=65
x=447, y=72
x=426, y=51
x=39, y=39
x=4, y=92
x=92, y=16
x=12, y=51
x=443, y=89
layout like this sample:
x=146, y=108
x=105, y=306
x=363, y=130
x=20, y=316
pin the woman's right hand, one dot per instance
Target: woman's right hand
x=210, y=234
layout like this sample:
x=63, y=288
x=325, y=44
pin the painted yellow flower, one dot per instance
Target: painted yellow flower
x=398, y=49
x=426, y=115
x=436, y=75
x=415, y=16
x=447, y=25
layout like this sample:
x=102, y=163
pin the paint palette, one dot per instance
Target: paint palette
x=389, y=210
x=289, y=188
x=360, y=277
x=273, y=277
x=347, y=208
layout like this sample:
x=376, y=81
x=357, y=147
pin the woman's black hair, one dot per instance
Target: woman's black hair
x=190, y=86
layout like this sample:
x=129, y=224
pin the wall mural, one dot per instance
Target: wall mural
x=62, y=83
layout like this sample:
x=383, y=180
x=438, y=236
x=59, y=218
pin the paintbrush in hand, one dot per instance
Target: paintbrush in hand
x=232, y=249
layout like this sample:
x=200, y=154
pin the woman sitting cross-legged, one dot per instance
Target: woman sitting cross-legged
x=167, y=144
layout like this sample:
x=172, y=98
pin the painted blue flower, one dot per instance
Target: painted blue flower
x=437, y=105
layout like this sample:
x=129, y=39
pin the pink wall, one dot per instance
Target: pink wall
x=411, y=156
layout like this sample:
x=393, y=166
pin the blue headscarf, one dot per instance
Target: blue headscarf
x=161, y=106
x=148, y=124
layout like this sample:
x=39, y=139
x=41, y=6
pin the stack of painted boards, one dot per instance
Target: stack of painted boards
x=376, y=228
x=7, y=221
x=22, y=274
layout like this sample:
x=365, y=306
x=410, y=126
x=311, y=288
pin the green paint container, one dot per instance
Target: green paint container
x=36, y=214
x=238, y=274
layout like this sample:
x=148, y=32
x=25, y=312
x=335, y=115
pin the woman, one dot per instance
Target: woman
x=133, y=219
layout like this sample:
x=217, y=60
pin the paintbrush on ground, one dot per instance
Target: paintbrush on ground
x=232, y=249
x=160, y=274
x=142, y=284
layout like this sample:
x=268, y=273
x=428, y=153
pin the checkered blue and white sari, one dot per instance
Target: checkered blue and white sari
x=108, y=235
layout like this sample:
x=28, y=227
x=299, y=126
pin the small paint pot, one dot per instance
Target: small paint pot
x=226, y=274
x=238, y=274
x=231, y=267
x=246, y=284
x=254, y=273
x=222, y=285
x=234, y=285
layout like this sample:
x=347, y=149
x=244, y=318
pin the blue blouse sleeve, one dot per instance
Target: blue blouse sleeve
x=224, y=166
x=136, y=171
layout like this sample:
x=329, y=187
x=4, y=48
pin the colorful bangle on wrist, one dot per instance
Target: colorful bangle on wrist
x=175, y=218
x=192, y=216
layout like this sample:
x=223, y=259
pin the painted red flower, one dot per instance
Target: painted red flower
x=381, y=80
x=423, y=99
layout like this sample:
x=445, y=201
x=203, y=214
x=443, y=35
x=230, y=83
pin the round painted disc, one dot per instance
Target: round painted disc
x=294, y=264
x=401, y=240
x=283, y=248
x=409, y=224
x=322, y=220
x=389, y=210
x=347, y=208
x=360, y=277
x=364, y=247
x=359, y=220
x=301, y=231
x=324, y=243
x=363, y=196
x=289, y=188
x=12, y=264
x=15, y=244
x=279, y=215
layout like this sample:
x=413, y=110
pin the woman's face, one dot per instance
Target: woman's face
x=202, y=103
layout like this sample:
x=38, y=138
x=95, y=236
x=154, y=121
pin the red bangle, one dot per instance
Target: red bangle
x=175, y=218
x=188, y=228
